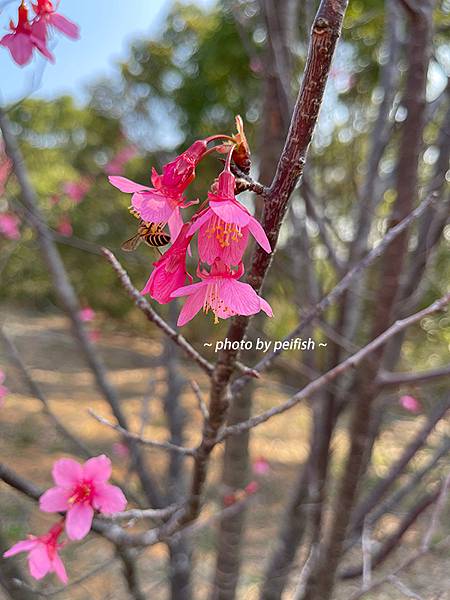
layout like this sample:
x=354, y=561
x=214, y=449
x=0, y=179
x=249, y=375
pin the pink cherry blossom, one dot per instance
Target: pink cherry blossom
x=25, y=37
x=220, y=291
x=43, y=554
x=87, y=314
x=4, y=391
x=81, y=489
x=162, y=202
x=261, y=466
x=9, y=226
x=64, y=226
x=410, y=404
x=169, y=273
x=225, y=225
x=46, y=13
x=77, y=190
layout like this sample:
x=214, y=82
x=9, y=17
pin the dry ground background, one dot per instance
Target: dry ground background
x=30, y=445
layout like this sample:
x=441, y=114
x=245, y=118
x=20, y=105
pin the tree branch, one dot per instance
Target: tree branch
x=325, y=33
x=351, y=362
x=341, y=287
x=67, y=297
x=387, y=379
x=16, y=359
x=141, y=440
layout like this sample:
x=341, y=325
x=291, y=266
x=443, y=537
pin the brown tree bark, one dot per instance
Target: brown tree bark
x=276, y=115
x=321, y=582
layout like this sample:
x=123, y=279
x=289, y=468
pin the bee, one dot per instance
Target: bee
x=152, y=234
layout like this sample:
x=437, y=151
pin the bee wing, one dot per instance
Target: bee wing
x=131, y=244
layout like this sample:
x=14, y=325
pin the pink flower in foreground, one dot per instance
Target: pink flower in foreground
x=9, y=226
x=87, y=314
x=261, y=466
x=220, y=292
x=64, y=227
x=225, y=225
x=410, y=404
x=169, y=273
x=46, y=12
x=162, y=203
x=43, y=554
x=79, y=490
x=25, y=37
x=4, y=391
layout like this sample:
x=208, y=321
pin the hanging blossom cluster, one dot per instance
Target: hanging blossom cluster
x=32, y=32
x=222, y=224
x=80, y=490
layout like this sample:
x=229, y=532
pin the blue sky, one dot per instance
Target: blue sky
x=107, y=26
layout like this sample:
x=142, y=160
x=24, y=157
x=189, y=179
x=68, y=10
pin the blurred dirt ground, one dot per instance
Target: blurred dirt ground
x=29, y=444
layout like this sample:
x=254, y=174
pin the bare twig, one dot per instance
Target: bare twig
x=38, y=393
x=342, y=286
x=145, y=513
x=425, y=546
x=141, y=440
x=404, y=589
x=201, y=402
x=350, y=362
x=153, y=316
x=373, y=498
x=392, y=541
x=63, y=589
x=366, y=544
x=325, y=33
x=68, y=298
x=387, y=379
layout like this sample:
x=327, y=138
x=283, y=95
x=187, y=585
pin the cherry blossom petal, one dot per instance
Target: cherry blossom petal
x=192, y=305
x=97, y=469
x=109, y=499
x=175, y=224
x=241, y=297
x=54, y=500
x=22, y=546
x=153, y=206
x=65, y=25
x=189, y=290
x=230, y=212
x=59, y=568
x=259, y=234
x=38, y=38
x=67, y=472
x=79, y=521
x=265, y=306
x=20, y=46
x=201, y=220
x=39, y=561
x=162, y=283
x=126, y=185
x=209, y=247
